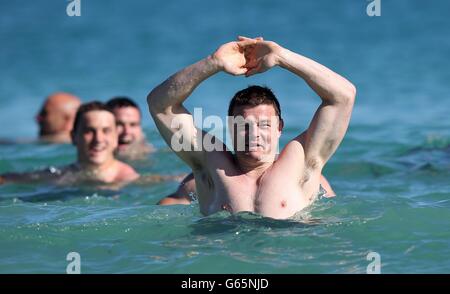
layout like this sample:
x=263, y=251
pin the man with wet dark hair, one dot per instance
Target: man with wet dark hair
x=251, y=96
x=132, y=143
x=255, y=178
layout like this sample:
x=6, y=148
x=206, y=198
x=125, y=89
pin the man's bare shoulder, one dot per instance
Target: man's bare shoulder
x=291, y=161
x=125, y=173
x=292, y=153
x=295, y=145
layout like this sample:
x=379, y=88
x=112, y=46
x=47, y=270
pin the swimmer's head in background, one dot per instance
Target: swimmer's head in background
x=128, y=119
x=254, y=117
x=56, y=117
x=95, y=134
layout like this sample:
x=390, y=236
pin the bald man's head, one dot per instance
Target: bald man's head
x=56, y=117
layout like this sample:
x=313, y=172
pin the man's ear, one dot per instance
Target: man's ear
x=68, y=122
x=281, y=125
x=117, y=140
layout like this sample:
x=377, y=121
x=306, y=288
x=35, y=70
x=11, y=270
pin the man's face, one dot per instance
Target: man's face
x=50, y=120
x=57, y=115
x=256, y=132
x=128, y=121
x=96, y=137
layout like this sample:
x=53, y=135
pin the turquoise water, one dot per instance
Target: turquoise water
x=391, y=173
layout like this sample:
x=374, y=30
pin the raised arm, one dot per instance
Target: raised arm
x=331, y=119
x=165, y=102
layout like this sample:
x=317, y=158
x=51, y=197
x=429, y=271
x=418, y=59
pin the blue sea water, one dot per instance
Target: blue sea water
x=391, y=172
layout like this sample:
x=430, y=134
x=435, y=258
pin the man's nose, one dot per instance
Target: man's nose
x=126, y=130
x=98, y=136
x=253, y=131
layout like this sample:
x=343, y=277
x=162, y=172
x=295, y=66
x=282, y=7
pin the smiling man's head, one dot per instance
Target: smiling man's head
x=95, y=134
x=128, y=119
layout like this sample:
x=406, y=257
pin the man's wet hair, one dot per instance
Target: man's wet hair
x=87, y=107
x=121, y=101
x=254, y=96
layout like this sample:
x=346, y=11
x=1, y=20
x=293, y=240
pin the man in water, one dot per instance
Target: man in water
x=95, y=136
x=253, y=178
x=56, y=117
x=132, y=144
x=184, y=193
